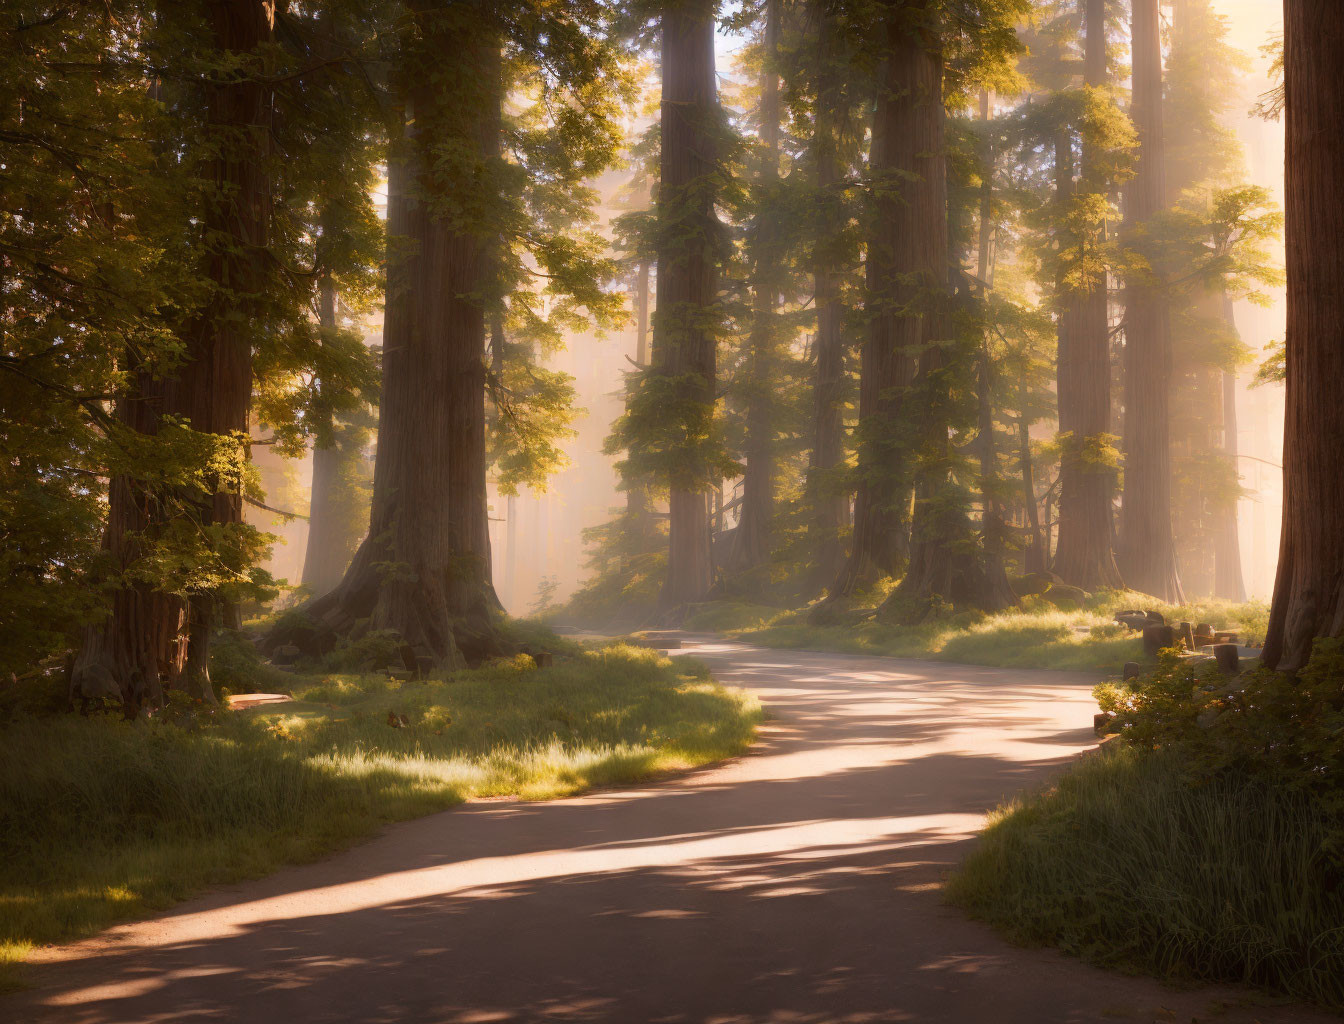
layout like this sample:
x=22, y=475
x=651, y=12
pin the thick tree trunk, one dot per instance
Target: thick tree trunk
x=1147, y=555
x=829, y=503
x=1309, y=589
x=907, y=258
x=943, y=565
x=1083, y=556
x=141, y=645
x=423, y=570
x=752, y=537
x=687, y=280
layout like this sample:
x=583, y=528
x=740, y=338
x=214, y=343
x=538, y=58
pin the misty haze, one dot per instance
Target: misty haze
x=676, y=511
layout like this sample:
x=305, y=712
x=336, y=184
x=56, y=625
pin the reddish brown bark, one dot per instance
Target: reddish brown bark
x=829, y=504
x=1083, y=555
x=687, y=276
x=423, y=571
x=141, y=645
x=1147, y=549
x=1309, y=588
x=907, y=256
x=751, y=538
x=942, y=566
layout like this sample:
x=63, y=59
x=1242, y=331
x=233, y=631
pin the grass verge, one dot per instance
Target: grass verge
x=103, y=819
x=1127, y=864
x=1035, y=635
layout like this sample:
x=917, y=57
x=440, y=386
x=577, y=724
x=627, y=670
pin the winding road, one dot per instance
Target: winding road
x=798, y=884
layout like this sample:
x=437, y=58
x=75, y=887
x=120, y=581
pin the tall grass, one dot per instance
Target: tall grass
x=1125, y=863
x=101, y=819
x=1035, y=635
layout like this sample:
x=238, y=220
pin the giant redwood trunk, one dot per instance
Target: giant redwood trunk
x=1309, y=588
x=423, y=570
x=153, y=639
x=828, y=502
x=751, y=539
x=1083, y=556
x=945, y=565
x=907, y=259
x=1147, y=548
x=687, y=282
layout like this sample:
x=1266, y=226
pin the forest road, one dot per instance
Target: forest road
x=797, y=884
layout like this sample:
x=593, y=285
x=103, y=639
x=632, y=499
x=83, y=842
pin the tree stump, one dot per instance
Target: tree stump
x=1228, y=657
x=1158, y=638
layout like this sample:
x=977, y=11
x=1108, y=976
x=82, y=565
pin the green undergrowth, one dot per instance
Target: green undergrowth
x=103, y=819
x=1205, y=842
x=1035, y=635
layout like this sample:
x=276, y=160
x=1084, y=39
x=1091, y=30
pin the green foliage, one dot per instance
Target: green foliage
x=535, y=412
x=1284, y=729
x=114, y=268
x=1204, y=842
x=627, y=563
x=1274, y=368
x=374, y=651
x=236, y=666
x=545, y=602
x=1125, y=863
x=1037, y=634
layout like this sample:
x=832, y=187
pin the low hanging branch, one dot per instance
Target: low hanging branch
x=278, y=511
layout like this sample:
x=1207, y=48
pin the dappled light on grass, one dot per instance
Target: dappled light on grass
x=101, y=818
x=1036, y=635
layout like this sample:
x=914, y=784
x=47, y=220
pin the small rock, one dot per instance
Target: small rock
x=1133, y=619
